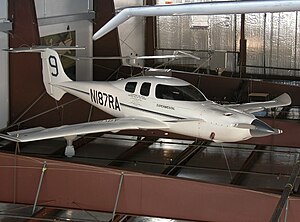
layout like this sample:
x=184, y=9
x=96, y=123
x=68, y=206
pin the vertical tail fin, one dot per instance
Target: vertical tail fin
x=53, y=73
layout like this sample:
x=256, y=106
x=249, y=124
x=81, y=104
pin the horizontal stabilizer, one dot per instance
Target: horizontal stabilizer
x=284, y=99
x=42, y=48
x=176, y=55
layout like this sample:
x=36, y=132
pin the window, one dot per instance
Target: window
x=181, y=93
x=145, y=89
x=130, y=87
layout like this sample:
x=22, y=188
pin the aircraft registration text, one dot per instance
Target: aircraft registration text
x=105, y=99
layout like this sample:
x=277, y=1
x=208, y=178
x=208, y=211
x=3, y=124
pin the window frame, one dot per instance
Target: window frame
x=163, y=91
x=127, y=89
x=148, y=89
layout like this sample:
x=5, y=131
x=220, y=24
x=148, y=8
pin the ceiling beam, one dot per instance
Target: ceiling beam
x=66, y=18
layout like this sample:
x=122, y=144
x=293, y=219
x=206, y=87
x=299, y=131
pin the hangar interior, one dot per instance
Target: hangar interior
x=148, y=175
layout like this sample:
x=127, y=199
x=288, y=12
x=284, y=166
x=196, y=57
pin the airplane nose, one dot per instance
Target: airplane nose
x=262, y=129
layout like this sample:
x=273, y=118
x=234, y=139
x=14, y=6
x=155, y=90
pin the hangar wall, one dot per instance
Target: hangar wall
x=4, y=95
x=29, y=104
x=272, y=39
x=66, y=11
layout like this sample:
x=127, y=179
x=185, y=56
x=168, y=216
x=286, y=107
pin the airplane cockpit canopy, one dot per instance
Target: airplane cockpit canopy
x=179, y=93
x=167, y=88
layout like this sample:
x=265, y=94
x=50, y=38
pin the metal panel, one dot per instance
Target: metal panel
x=175, y=32
x=5, y=26
x=272, y=35
x=4, y=69
x=141, y=194
x=4, y=81
x=66, y=18
x=49, y=8
x=3, y=9
x=272, y=38
x=254, y=33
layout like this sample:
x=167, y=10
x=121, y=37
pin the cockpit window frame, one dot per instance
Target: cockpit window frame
x=145, y=89
x=188, y=93
x=130, y=87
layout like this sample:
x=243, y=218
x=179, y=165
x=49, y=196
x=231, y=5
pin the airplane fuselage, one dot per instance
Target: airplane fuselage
x=150, y=97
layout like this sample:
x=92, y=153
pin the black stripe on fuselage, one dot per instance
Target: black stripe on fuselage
x=150, y=111
x=77, y=90
x=132, y=107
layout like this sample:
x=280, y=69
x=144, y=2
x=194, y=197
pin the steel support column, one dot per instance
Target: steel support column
x=243, y=48
x=254, y=156
x=184, y=157
x=143, y=144
x=150, y=35
x=109, y=45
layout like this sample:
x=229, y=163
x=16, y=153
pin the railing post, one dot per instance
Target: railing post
x=118, y=194
x=39, y=186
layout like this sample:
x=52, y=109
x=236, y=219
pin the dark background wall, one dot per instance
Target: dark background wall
x=108, y=45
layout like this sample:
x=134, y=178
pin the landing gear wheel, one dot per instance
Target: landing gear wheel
x=69, y=150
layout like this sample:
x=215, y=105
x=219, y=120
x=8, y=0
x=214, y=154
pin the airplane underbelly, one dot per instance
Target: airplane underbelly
x=223, y=133
x=188, y=128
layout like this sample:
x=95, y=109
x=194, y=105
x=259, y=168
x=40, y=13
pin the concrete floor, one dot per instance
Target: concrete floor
x=22, y=213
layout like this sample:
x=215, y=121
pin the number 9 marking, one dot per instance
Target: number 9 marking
x=53, y=64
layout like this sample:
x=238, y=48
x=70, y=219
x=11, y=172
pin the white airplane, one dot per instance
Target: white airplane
x=147, y=103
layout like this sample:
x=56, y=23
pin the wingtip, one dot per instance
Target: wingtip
x=284, y=99
x=10, y=138
x=95, y=37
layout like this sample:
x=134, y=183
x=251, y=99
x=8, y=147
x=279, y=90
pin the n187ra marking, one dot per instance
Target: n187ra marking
x=104, y=99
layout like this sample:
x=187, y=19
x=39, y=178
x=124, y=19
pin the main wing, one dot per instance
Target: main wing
x=109, y=125
x=282, y=100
